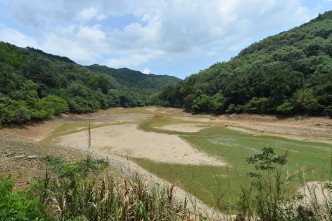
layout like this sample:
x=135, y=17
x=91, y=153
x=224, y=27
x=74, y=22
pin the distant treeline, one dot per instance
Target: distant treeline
x=136, y=79
x=35, y=85
x=288, y=74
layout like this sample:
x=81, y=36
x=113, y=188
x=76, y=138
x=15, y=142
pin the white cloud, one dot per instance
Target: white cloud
x=101, y=17
x=187, y=28
x=92, y=34
x=146, y=71
x=130, y=60
x=165, y=30
x=14, y=37
x=87, y=14
x=80, y=43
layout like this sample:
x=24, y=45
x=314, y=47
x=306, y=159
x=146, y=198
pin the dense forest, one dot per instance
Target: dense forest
x=35, y=85
x=287, y=74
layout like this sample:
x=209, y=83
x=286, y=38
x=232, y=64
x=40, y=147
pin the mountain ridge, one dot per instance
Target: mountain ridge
x=289, y=73
x=134, y=78
x=35, y=85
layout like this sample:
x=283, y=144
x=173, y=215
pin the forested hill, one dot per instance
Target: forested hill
x=136, y=79
x=35, y=85
x=289, y=73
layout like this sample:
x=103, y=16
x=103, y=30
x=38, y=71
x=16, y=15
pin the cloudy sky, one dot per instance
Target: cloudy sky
x=175, y=37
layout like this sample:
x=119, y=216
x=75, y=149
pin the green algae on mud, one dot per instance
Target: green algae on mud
x=233, y=147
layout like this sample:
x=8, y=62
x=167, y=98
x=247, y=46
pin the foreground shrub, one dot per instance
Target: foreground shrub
x=18, y=205
x=270, y=197
x=81, y=191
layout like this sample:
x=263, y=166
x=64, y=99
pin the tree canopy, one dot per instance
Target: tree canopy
x=289, y=73
x=35, y=85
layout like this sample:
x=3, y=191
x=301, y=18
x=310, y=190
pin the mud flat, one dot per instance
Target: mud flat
x=127, y=141
x=309, y=129
x=186, y=127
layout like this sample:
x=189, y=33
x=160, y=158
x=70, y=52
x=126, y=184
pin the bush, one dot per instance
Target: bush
x=259, y=105
x=285, y=108
x=80, y=191
x=188, y=101
x=81, y=105
x=55, y=105
x=18, y=205
x=231, y=109
x=201, y=104
x=14, y=112
x=306, y=102
x=268, y=196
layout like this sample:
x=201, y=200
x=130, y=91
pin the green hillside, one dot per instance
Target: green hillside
x=289, y=73
x=136, y=79
x=35, y=85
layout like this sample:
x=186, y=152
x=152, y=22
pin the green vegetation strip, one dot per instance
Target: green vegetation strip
x=204, y=182
x=156, y=123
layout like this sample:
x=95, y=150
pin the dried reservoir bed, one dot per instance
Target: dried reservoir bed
x=196, y=152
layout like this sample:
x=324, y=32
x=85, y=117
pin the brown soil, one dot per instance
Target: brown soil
x=22, y=159
x=311, y=129
x=316, y=129
x=32, y=131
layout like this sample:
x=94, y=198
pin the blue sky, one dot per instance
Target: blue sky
x=174, y=37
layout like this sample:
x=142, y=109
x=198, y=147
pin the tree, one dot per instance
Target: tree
x=305, y=102
x=55, y=105
x=201, y=104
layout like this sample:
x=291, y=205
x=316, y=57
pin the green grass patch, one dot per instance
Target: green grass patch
x=200, y=180
x=154, y=124
x=215, y=184
x=234, y=147
x=131, y=110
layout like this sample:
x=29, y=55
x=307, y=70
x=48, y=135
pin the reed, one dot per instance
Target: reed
x=80, y=191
